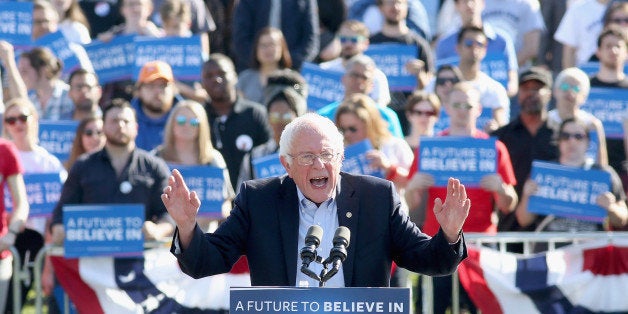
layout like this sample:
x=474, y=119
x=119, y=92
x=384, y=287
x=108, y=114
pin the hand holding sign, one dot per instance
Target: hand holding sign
x=182, y=205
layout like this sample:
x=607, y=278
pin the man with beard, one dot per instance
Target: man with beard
x=237, y=124
x=85, y=92
x=156, y=95
x=528, y=137
x=120, y=173
x=354, y=40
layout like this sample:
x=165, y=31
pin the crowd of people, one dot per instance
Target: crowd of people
x=250, y=89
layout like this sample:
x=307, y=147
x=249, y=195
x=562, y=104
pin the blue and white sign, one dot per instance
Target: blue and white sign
x=568, y=191
x=183, y=54
x=592, y=67
x=610, y=105
x=319, y=300
x=208, y=182
x=494, y=65
x=16, y=22
x=391, y=59
x=324, y=86
x=60, y=46
x=356, y=162
x=57, y=137
x=114, y=60
x=103, y=230
x=268, y=166
x=42, y=190
x=465, y=158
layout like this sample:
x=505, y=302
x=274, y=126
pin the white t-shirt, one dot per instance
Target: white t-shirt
x=514, y=17
x=580, y=27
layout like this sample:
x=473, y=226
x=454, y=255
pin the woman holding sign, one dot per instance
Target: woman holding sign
x=573, y=142
x=187, y=142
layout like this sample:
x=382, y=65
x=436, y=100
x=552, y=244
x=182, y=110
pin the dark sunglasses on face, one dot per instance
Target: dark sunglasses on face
x=470, y=42
x=13, y=120
x=181, y=120
x=620, y=20
x=462, y=105
x=90, y=132
x=427, y=113
x=443, y=80
x=276, y=117
x=351, y=39
x=350, y=129
x=563, y=136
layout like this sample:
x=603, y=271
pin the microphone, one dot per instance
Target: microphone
x=338, y=253
x=308, y=252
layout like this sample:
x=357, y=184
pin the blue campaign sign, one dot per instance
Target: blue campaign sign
x=103, y=230
x=443, y=121
x=113, y=60
x=493, y=64
x=57, y=137
x=60, y=46
x=355, y=160
x=268, y=166
x=392, y=59
x=16, y=22
x=568, y=191
x=592, y=67
x=208, y=182
x=609, y=105
x=324, y=86
x=183, y=54
x=465, y=158
x=43, y=191
x=285, y=300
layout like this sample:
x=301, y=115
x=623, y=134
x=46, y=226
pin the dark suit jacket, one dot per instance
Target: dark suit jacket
x=264, y=226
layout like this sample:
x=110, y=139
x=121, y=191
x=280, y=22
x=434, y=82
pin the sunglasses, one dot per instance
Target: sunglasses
x=276, y=117
x=349, y=129
x=462, y=105
x=350, y=39
x=90, y=132
x=427, y=113
x=564, y=136
x=566, y=87
x=620, y=20
x=443, y=80
x=13, y=120
x=470, y=42
x=181, y=120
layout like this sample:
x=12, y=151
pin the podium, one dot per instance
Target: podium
x=280, y=300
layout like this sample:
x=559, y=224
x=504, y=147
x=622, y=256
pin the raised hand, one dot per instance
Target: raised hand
x=181, y=204
x=452, y=213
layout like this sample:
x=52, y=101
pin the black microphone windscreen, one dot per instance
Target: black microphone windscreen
x=314, y=233
x=342, y=234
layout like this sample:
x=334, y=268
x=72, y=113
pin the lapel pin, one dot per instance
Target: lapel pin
x=349, y=215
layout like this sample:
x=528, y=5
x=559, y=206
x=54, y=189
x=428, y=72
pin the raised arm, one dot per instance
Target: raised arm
x=182, y=206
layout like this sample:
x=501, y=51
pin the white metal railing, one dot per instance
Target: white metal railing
x=528, y=239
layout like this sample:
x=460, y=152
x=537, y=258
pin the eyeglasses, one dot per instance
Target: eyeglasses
x=12, y=120
x=350, y=39
x=276, y=117
x=427, y=113
x=566, y=87
x=443, y=80
x=90, y=132
x=620, y=20
x=181, y=120
x=564, y=136
x=393, y=2
x=307, y=159
x=350, y=129
x=462, y=105
x=470, y=42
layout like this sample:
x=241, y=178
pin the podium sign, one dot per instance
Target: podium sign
x=319, y=300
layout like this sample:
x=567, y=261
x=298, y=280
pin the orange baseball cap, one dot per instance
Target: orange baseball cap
x=153, y=70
